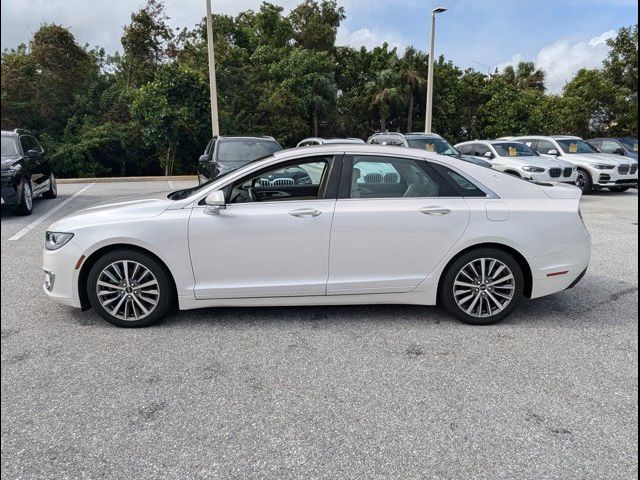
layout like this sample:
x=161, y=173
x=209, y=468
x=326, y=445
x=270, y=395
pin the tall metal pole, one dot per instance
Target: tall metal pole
x=428, y=117
x=215, y=127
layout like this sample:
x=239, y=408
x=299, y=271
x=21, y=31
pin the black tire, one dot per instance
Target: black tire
x=584, y=181
x=619, y=189
x=165, y=287
x=53, y=187
x=447, y=296
x=25, y=205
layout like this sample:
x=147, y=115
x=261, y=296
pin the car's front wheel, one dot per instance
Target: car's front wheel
x=25, y=203
x=482, y=287
x=129, y=289
x=584, y=182
x=53, y=187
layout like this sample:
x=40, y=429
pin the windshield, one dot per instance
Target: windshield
x=514, y=149
x=437, y=145
x=9, y=147
x=576, y=146
x=630, y=143
x=242, y=151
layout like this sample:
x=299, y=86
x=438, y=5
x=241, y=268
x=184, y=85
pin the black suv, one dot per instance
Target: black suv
x=26, y=171
x=226, y=154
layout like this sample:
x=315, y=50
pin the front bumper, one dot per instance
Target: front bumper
x=61, y=265
x=10, y=192
x=614, y=178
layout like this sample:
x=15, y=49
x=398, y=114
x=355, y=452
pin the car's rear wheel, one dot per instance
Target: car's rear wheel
x=584, y=182
x=619, y=189
x=482, y=287
x=129, y=289
x=25, y=204
x=53, y=187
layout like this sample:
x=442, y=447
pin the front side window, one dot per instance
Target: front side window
x=390, y=177
x=545, y=146
x=301, y=180
x=28, y=143
x=630, y=143
x=478, y=149
x=514, y=149
x=609, y=146
x=239, y=152
x=572, y=146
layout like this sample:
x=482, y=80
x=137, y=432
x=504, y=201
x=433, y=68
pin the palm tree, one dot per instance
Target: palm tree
x=383, y=93
x=525, y=75
x=412, y=76
x=323, y=96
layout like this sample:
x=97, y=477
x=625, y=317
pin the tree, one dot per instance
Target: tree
x=412, y=76
x=144, y=43
x=315, y=25
x=525, y=75
x=384, y=93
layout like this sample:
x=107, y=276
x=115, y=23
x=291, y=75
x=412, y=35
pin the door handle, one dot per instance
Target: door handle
x=305, y=212
x=433, y=210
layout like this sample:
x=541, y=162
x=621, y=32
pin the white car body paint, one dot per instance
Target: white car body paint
x=356, y=251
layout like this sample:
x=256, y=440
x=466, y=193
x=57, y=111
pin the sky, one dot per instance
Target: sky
x=561, y=36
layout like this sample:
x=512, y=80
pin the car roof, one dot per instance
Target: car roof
x=245, y=138
x=410, y=134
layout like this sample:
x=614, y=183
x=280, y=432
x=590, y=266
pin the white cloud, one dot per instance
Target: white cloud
x=562, y=59
x=367, y=38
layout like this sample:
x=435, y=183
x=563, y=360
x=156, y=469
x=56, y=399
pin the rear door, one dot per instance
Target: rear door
x=395, y=220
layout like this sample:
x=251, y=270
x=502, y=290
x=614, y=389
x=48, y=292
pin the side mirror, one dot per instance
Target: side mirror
x=618, y=151
x=203, y=159
x=553, y=151
x=215, y=202
x=33, y=153
x=488, y=155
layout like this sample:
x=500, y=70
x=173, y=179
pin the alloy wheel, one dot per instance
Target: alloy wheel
x=128, y=290
x=484, y=287
x=581, y=180
x=28, y=195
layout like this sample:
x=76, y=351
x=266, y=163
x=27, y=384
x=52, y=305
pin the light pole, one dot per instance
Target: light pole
x=427, y=122
x=215, y=127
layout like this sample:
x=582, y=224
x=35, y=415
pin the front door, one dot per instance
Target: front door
x=399, y=221
x=273, y=237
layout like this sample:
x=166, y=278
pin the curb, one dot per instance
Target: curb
x=127, y=179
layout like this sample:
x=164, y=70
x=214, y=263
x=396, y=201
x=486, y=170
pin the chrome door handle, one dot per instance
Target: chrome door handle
x=434, y=210
x=305, y=212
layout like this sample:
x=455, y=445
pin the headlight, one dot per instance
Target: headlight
x=56, y=240
x=533, y=169
x=600, y=166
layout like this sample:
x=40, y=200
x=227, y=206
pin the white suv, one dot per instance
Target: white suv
x=516, y=158
x=596, y=170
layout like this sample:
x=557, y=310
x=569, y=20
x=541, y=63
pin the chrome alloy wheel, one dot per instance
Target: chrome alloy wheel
x=28, y=195
x=484, y=287
x=128, y=290
x=581, y=181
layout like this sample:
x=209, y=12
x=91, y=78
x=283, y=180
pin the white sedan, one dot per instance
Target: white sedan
x=516, y=158
x=327, y=225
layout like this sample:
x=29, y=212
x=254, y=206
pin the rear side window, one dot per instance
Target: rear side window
x=465, y=187
x=393, y=177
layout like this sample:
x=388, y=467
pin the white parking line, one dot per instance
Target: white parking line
x=171, y=185
x=41, y=219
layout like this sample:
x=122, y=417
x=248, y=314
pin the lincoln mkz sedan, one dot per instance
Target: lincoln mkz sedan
x=372, y=225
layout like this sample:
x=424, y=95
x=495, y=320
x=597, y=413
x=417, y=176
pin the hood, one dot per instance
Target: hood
x=593, y=158
x=9, y=161
x=541, y=161
x=129, y=208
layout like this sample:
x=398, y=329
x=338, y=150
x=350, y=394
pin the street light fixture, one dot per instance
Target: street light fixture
x=427, y=123
x=215, y=128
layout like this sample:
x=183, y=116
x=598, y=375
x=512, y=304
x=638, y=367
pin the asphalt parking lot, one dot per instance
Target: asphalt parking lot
x=322, y=392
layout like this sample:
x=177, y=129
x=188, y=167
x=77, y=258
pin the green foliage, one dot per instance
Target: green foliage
x=146, y=110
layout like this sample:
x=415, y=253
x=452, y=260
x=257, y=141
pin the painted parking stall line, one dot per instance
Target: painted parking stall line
x=41, y=219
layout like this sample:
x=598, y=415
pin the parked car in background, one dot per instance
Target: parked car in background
x=441, y=231
x=226, y=154
x=308, y=142
x=516, y=158
x=26, y=171
x=625, y=146
x=429, y=142
x=596, y=170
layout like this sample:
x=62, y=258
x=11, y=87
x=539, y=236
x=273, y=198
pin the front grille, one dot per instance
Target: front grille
x=555, y=172
x=391, y=178
x=624, y=169
x=373, y=178
x=634, y=169
x=282, y=182
x=567, y=172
